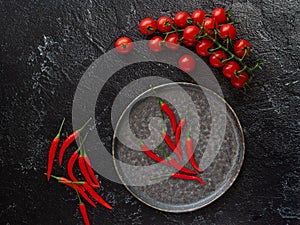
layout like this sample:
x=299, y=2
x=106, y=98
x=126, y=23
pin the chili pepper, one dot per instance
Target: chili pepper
x=83, y=210
x=190, y=152
x=52, y=151
x=171, y=145
x=78, y=185
x=90, y=169
x=84, y=213
x=95, y=195
x=151, y=154
x=180, y=168
x=71, y=165
x=69, y=141
x=85, y=172
x=167, y=110
x=188, y=177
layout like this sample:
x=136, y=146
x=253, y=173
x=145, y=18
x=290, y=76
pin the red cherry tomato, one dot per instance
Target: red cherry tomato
x=189, y=44
x=155, y=44
x=240, y=47
x=220, y=15
x=228, y=31
x=198, y=16
x=216, y=58
x=172, y=41
x=203, y=46
x=147, y=26
x=187, y=63
x=190, y=33
x=124, y=45
x=164, y=24
x=181, y=19
x=230, y=68
x=240, y=80
x=209, y=24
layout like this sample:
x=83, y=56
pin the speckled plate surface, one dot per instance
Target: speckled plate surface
x=218, y=146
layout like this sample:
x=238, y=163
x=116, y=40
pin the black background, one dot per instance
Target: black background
x=47, y=45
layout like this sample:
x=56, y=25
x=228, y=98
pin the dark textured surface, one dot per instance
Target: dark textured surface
x=45, y=47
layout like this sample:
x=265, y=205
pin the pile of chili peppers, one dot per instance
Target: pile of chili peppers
x=182, y=171
x=85, y=189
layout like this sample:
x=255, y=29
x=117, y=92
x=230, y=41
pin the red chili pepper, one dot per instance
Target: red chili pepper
x=85, y=173
x=151, y=154
x=190, y=152
x=71, y=163
x=90, y=169
x=84, y=213
x=178, y=133
x=180, y=168
x=95, y=195
x=188, y=177
x=75, y=185
x=167, y=110
x=69, y=141
x=171, y=145
x=52, y=151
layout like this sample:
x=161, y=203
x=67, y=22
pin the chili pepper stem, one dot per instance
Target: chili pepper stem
x=84, y=125
x=81, y=143
x=60, y=128
x=156, y=95
x=161, y=176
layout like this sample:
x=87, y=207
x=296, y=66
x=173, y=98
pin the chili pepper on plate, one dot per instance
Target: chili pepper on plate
x=171, y=145
x=188, y=177
x=190, y=152
x=52, y=151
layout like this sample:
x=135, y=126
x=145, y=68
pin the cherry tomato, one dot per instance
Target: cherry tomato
x=216, y=58
x=164, y=24
x=198, y=17
x=240, y=47
x=209, y=24
x=181, y=19
x=220, y=15
x=240, y=80
x=187, y=63
x=172, y=41
x=228, y=31
x=124, y=45
x=230, y=68
x=189, y=44
x=203, y=46
x=155, y=44
x=190, y=33
x=147, y=26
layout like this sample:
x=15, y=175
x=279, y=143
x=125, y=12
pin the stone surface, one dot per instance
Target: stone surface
x=46, y=46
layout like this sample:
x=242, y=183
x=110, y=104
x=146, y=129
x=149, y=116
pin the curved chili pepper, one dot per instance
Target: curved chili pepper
x=151, y=154
x=180, y=168
x=71, y=163
x=84, y=214
x=190, y=153
x=69, y=141
x=95, y=195
x=178, y=133
x=90, y=169
x=171, y=145
x=77, y=185
x=188, y=177
x=52, y=151
x=85, y=173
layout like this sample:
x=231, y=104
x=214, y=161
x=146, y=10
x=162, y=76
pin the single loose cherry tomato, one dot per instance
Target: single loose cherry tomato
x=190, y=33
x=147, y=26
x=240, y=80
x=209, y=25
x=220, y=15
x=203, y=46
x=165, y=24
x=172, y=41
x=124, y=45
x=241, y=47
x=187, y=63
x=198, y=17
x=155, y=44
x=181, y=19
x=230, y=68
x=228, y=31
x=189, y=44
x=216, y=58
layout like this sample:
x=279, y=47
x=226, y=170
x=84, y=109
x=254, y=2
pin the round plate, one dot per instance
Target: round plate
x=218, y=147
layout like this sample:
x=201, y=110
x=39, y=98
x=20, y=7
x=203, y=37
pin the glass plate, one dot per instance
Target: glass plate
x=218, y=147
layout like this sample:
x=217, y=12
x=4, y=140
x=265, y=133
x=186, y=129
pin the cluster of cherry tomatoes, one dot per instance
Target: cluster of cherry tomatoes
x=210, y=35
